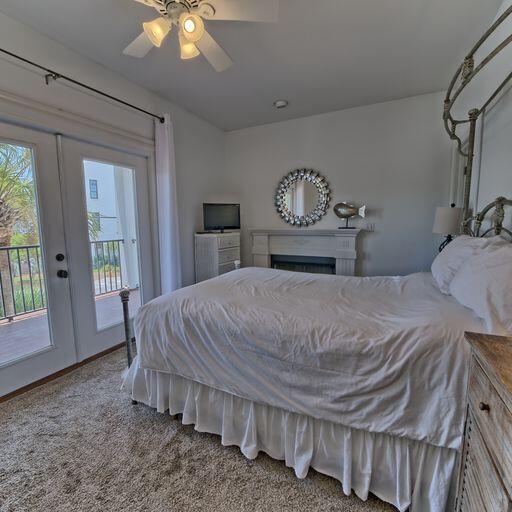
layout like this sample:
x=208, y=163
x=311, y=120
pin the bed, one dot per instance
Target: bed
x=382, y=357
x=363, y=379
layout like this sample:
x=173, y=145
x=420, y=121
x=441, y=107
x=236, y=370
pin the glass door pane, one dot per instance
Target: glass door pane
x=23, y=315
x=112, y=227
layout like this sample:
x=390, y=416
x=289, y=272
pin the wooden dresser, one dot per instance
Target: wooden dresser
x=485, y=482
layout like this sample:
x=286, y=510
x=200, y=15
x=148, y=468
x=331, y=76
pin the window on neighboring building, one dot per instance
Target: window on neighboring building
x=93, y=189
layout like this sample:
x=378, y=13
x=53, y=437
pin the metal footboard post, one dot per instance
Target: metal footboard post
x=125, y=298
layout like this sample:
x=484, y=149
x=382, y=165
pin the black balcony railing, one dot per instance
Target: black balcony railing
x=106, y=266
x=22, y=282
x=22, y=285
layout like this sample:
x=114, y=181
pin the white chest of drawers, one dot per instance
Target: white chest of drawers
x=215, y=254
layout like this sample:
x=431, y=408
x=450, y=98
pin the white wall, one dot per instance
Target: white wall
x=199, y=145
x=493, y=162
x=394, y=157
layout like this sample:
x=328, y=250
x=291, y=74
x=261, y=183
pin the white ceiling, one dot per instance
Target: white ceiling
x=321, y=55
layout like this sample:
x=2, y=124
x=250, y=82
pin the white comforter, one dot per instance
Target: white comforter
x=383, y=354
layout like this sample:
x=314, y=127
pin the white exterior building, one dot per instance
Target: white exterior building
x=110, y=196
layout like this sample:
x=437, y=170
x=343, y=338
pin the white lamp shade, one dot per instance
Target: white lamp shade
x=188, y=50
x=157, y=30
x=447, y=220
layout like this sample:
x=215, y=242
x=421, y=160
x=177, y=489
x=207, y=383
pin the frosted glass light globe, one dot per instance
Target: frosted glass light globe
x=192, y=26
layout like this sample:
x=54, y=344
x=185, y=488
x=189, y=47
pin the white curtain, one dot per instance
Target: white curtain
x=167, y=198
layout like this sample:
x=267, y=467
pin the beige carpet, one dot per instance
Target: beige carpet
x=77, y=444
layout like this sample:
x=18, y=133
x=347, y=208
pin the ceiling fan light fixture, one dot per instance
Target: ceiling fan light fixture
x=188, y=50
x=157, y=30
x=192, y=26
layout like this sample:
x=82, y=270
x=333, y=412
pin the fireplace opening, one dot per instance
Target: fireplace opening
x=312, y=264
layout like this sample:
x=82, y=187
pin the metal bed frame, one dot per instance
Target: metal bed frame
x=473, y=225
x=124, y=294
x=464, y=75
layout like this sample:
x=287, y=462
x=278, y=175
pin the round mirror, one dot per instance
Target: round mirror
x=302, y=197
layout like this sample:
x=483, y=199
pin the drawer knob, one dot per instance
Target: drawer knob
x=484, y=407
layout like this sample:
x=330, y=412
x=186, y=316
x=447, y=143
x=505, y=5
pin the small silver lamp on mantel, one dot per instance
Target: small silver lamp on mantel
x=447, y=222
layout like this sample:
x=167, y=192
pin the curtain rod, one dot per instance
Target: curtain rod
x=53, y=75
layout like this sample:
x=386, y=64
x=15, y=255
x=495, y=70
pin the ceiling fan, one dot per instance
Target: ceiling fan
x=188, y=17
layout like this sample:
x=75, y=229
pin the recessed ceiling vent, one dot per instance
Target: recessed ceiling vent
x=281, y=104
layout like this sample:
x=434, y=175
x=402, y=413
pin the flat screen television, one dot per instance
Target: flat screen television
x=221, y=216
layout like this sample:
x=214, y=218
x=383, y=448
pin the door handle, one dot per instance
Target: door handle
x=62, y=273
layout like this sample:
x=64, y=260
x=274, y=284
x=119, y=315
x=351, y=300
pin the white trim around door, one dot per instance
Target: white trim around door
x=38, y=329
x=112, y=187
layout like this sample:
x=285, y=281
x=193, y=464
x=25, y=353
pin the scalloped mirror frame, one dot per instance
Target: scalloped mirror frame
x=322, y=206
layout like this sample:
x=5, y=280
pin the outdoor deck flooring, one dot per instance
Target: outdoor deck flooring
x=30, y=333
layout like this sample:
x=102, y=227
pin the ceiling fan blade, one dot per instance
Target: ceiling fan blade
x=242, y=10
x=139, y=47
x=214, y=53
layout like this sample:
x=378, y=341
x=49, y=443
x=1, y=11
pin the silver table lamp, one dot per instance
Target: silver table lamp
x=447, y=222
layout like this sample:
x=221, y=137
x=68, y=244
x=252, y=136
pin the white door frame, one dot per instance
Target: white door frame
x=89, y=339
x=62, y=353
x=33, y=115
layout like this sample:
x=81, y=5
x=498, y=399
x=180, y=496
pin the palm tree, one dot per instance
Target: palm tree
x=17, y=205
x=94, y=226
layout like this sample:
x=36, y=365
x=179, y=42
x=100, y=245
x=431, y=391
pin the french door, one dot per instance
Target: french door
x=106, y=198
x=36, y=328
x=74, y=230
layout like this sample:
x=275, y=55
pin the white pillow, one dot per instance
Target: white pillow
x=448, y=262
x=484, y=284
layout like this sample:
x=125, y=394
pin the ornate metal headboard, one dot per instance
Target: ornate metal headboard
x=473, y=225
x=485, y=50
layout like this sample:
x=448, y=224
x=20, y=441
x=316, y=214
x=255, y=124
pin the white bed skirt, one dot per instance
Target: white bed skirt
x=400, y=471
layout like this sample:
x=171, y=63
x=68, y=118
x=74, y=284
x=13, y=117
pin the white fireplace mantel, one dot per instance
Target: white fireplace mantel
x=339, y=244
